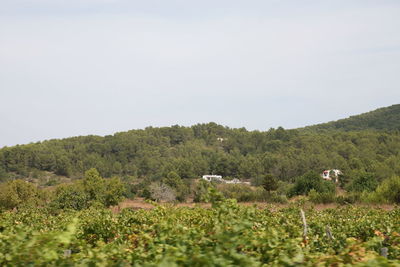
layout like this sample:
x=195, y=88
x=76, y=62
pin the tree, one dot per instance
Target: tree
x=3, y=175
x=309, y=181
x=63, y=166
x=389, y=190
x=270, y=183
x=16, y=193
x=363, y=182
x=92, y=189
x=162, y=192
x=114, y=191
x=201, y=191
x=250, y=167
x=93, y=185
x=174, y=181
x=70, y=196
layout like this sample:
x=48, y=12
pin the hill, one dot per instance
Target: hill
x=387, y=118
x=201, y=149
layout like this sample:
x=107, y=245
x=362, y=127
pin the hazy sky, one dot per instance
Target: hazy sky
x=77, y=67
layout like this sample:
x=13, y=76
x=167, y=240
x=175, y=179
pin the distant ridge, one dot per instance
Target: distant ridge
x=387, y=118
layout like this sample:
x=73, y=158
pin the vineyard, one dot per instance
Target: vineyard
x=225, y=235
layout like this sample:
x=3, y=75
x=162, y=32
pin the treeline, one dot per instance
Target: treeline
x=387, y=118
x=208, y=148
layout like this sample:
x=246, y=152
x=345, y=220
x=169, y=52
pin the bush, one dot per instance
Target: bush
x=348, y=199
x=310, y=181
x=4, y=176
x=201, y=190
x=245, y=193
x=182, y=190
x=274, y=197
x=130, y=190
x=388, y=191
x=18, y=192
x=162, y=192
x=239, y=192
x=51, y=182
x=283, y=188
x=363, y=182
x=92, y=189
x=113, y=193
x=270, y=183
x=321, y=198
x=71, y=196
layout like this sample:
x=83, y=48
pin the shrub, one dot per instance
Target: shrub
x=237, y=191
x=113, y=192
x=130, y=190
x=321, y=198
x=274, y=197
x=348, y=199
x=4, y=176
x=92, y=189
x=283, y=188
x=71, y=196
x=16, y=193
x=363, y=182
x=309, y=181
x=201, y=191
x=270, y=183
x=388, y=191
x=51, y=182
x=93, y=185
x=162, y=192
x=245, y=193
x=182, y=190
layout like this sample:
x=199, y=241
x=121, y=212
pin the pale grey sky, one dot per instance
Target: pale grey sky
x=78, y=67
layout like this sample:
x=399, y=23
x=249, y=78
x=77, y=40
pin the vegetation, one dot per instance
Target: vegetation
x=18, y=193
x=311, y=181
x=54, y=197
x=269, y=183
x=165, y=161
x=387, y=119
x=225, y=235
x=155, y=152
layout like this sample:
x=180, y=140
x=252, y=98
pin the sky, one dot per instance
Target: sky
x=79, y=67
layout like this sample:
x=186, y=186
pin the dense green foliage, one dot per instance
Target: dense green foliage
x=311, y=181
x=269, y=183
x=159, y=163
x=93, y=189
x=363, y=182
x=18, y=193
x=387, y=118
x=194, y=151
x=225, y=235
x=387, y=192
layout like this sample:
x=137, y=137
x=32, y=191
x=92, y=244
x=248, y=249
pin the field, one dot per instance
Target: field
x=141, y=203
x=225, y=234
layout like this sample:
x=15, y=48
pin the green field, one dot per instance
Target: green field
x=225, y=235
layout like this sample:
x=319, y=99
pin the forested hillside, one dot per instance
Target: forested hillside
x=160, y=163
x=386, y=119
x=207, y=148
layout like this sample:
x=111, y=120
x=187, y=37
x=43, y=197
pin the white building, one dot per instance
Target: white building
x=331, y=175
x=210, y=178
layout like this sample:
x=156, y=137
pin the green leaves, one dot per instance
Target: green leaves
x=92, y=190
x=227, y=234
x=17, y=193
